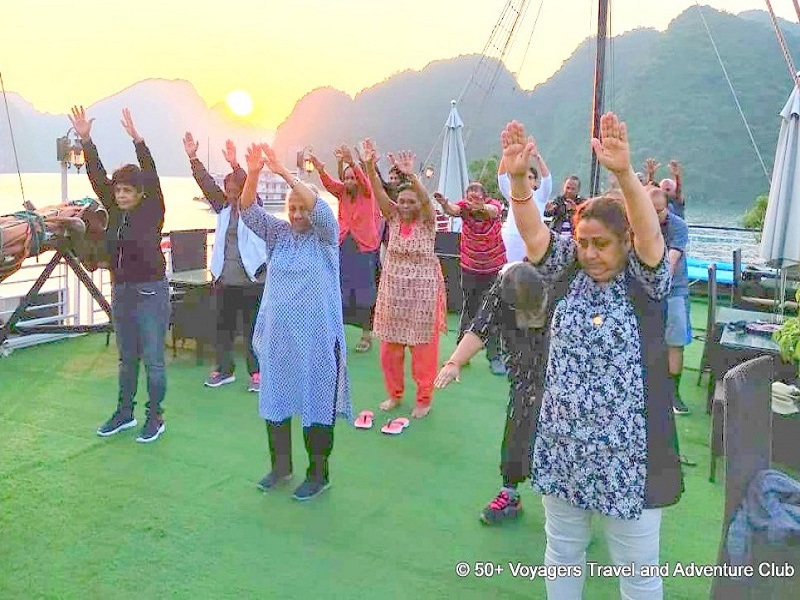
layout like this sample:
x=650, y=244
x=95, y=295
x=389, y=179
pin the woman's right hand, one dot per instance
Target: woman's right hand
x=450, y=372
x=439, y=198
x=255, y=158
x=82, y=125
x=517, y=148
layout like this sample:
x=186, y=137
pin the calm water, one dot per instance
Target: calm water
x=183, y=212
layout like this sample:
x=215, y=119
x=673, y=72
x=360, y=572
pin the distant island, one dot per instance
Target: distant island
x=668, y=86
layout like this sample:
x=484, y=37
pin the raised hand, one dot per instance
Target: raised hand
x=272, y=162
x=517, y=148
x=675, y=168
x=347, y=155
x=190, y=145
x=369, y=151
x=651, y=165
x=405, y=161
x=319, y=166
x=82, y=125
x=255, y=158
x=612, y=149
x=229, y=152
x=439, y=198
x=338, y=153
x=128, y=126
x=448, y=374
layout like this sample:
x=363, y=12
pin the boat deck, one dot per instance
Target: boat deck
x=90, y=517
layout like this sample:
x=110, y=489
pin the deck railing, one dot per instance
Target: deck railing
x=64, y=300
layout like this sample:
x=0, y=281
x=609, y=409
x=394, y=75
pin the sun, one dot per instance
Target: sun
x=240, y=103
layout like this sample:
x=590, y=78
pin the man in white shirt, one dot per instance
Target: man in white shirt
x=515, y=247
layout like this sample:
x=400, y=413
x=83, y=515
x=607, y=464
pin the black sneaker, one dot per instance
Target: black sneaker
x=272, y=480
x=152, y=430
x=502, y=508
x=311, y=488
x=678, y=407
x=119, y=421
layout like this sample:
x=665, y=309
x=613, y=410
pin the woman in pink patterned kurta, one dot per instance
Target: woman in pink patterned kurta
x=410, y=309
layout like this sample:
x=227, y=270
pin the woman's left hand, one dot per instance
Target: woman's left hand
x=612, y=149
x=449, y=373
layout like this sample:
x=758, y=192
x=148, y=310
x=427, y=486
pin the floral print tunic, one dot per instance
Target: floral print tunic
x=591, y=445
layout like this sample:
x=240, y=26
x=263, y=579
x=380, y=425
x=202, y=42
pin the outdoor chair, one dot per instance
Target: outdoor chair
x=712, y=333
x=748, y=451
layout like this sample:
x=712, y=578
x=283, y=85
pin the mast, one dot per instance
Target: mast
x=599, y=88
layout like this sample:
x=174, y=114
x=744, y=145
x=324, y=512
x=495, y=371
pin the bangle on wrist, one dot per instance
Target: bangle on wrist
x=294, y=182
x=522, y=200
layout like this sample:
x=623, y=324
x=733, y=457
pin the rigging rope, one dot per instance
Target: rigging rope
x=733, y=92
x=530, y=39
x=797, y=8
x=782, y=43
x=13, y=143
x=515, y=14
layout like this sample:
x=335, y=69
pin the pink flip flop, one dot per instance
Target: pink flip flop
x=364, y=419
x=395, y=426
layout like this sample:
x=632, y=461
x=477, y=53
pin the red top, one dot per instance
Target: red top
x=359, y=217
x=482, y=248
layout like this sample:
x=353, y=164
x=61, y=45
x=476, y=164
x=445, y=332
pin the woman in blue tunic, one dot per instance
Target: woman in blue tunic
x=299, y=335
x=606, y=444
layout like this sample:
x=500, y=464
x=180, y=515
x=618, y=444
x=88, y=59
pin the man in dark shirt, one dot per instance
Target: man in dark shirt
x=563, y=207
x=140, y=292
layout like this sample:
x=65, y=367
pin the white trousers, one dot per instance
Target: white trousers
x=636, y=542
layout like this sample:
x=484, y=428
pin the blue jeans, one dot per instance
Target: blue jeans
x=141, y=319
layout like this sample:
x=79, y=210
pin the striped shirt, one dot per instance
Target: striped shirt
x=482, y=248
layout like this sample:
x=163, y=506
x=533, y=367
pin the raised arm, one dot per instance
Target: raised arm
x=268, y=227
x=650, y=167
x=405, y=161
x=334, y=186
x=613, y=152
x=98, y=177
x=211, y=191
x=517, y=151
x=675, y=171
x=146, y=163
x=385, y=204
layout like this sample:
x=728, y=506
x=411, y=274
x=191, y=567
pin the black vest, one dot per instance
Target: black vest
x=664, y=482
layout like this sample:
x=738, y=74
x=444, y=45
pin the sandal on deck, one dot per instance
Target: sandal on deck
x=364, y=419
x=395, y=426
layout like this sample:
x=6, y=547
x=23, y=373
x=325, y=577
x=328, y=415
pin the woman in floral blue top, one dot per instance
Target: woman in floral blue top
x=605, y=442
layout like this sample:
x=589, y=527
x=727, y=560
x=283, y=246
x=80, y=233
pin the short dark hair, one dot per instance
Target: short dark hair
x=607, y=210
x=535, y=172
x=128, y=175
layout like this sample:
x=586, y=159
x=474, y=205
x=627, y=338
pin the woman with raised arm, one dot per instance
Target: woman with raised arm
x=238, y=265
x=410, y=310
x=140, y=292
x=606, y=440
x=299, y=335
x=359, y=239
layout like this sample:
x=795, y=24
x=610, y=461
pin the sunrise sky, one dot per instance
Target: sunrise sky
x=57, y=53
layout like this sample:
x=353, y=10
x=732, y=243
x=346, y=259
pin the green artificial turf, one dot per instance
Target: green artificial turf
x=84, y=517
